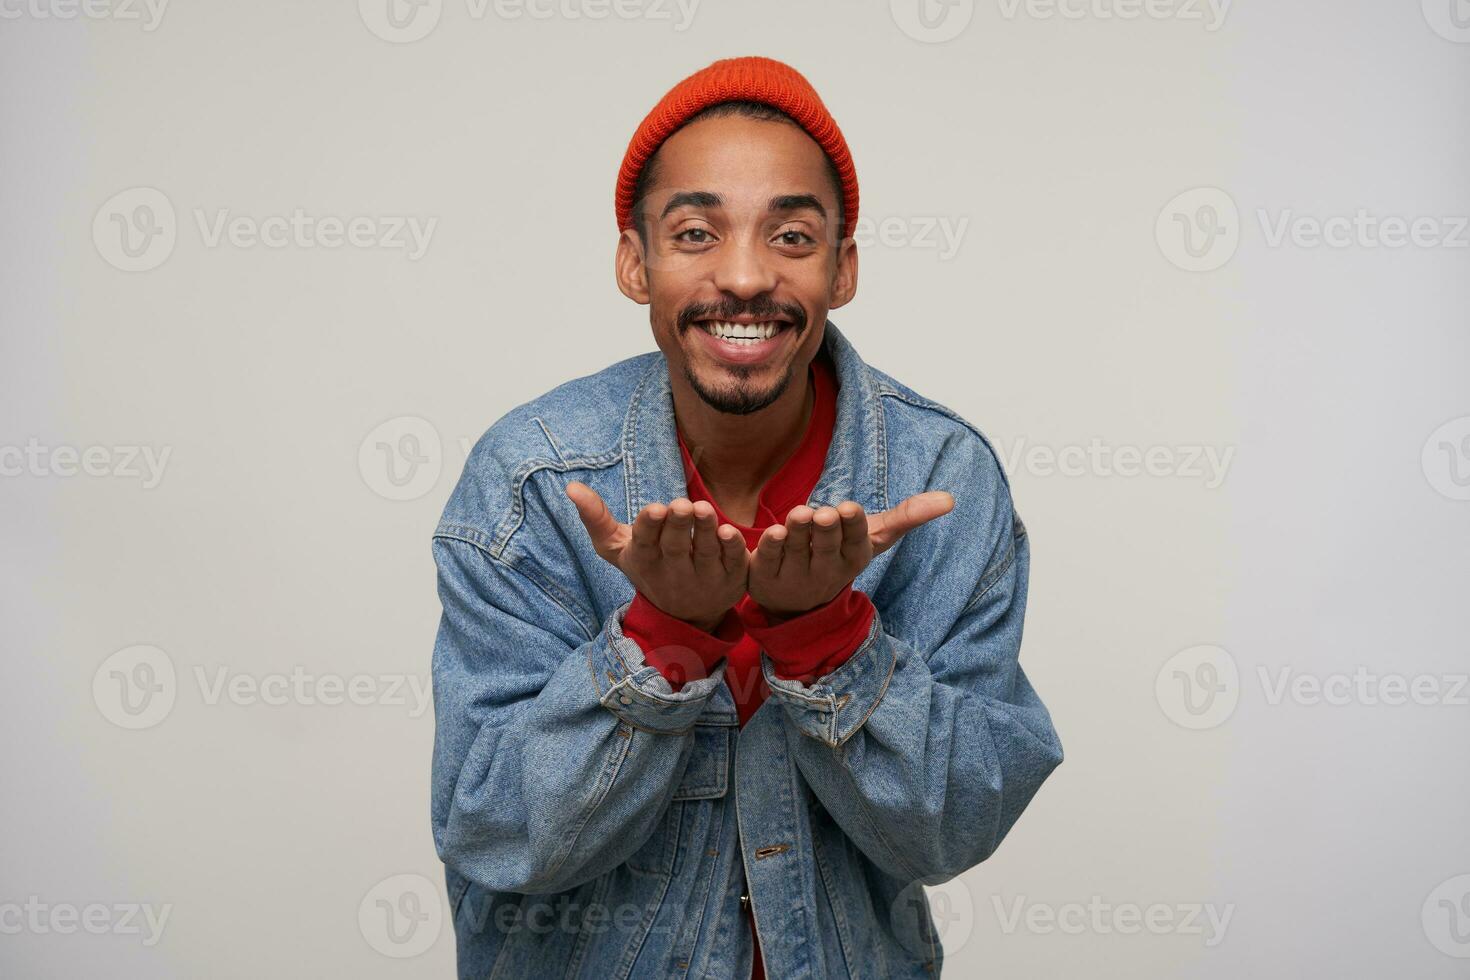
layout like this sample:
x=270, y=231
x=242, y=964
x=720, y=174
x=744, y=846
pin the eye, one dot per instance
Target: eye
x=704, y=236
x=793, y=237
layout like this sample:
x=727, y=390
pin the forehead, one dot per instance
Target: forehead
x=744, y=160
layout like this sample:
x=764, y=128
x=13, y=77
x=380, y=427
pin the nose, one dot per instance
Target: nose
x=744, y=270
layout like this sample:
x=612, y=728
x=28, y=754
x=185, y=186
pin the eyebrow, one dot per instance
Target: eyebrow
x=709, y=199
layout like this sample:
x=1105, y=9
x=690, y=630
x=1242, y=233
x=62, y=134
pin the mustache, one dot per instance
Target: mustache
x=761, y=308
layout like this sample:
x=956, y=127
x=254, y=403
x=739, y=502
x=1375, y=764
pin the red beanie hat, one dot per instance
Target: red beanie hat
x=754, y=79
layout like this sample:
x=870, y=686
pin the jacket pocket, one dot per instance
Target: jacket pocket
x=706, y=777
x=708, y=773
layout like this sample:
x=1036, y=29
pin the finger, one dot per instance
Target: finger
x=799, y=536
x=707, y=549
x=674, y=541
x=601, y=526
x=827, y=563
x=647, y=527
x=856, y=547
x=770, y=551
x=732, y=548
x=826, y=532
x=886, y=528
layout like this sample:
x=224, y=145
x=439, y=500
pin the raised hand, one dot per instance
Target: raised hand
x=678, y=556
x=805, y=562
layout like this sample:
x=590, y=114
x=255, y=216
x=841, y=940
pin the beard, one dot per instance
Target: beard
x=742, y=397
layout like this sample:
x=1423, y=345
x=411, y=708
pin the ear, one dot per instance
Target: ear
x=844, y=282
x=629, y=267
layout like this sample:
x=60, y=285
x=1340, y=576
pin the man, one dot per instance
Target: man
x=727, y=668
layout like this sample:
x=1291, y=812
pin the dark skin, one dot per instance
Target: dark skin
x=743, y=228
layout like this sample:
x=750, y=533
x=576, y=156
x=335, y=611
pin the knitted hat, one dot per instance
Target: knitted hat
x=753, y=79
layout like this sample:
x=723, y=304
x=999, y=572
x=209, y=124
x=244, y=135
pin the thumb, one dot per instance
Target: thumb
x=886, y=528
x=601, y=526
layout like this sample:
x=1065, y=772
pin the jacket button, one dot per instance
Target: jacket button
x=625, y=699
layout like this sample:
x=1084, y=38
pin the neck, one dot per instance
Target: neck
x=737, y=454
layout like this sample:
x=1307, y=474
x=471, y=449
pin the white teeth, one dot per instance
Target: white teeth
x=742, y=333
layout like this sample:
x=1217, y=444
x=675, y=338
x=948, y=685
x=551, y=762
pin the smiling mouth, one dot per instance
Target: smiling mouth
x=742, y=334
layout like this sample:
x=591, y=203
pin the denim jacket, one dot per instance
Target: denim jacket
x=588, y=814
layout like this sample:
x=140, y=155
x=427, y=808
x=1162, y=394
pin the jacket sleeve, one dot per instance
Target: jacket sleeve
x=556, y=752
x=664, y=640
x=815, y=643
x=926, y=744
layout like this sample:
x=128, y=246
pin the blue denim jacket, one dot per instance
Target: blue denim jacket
x=596, y=823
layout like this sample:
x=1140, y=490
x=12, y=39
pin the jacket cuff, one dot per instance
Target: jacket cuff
x=679, y=650
x=818, y=641
x=834, y=706
x=634, y=690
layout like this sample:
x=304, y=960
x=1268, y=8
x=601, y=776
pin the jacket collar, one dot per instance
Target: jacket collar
x=856, y=464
